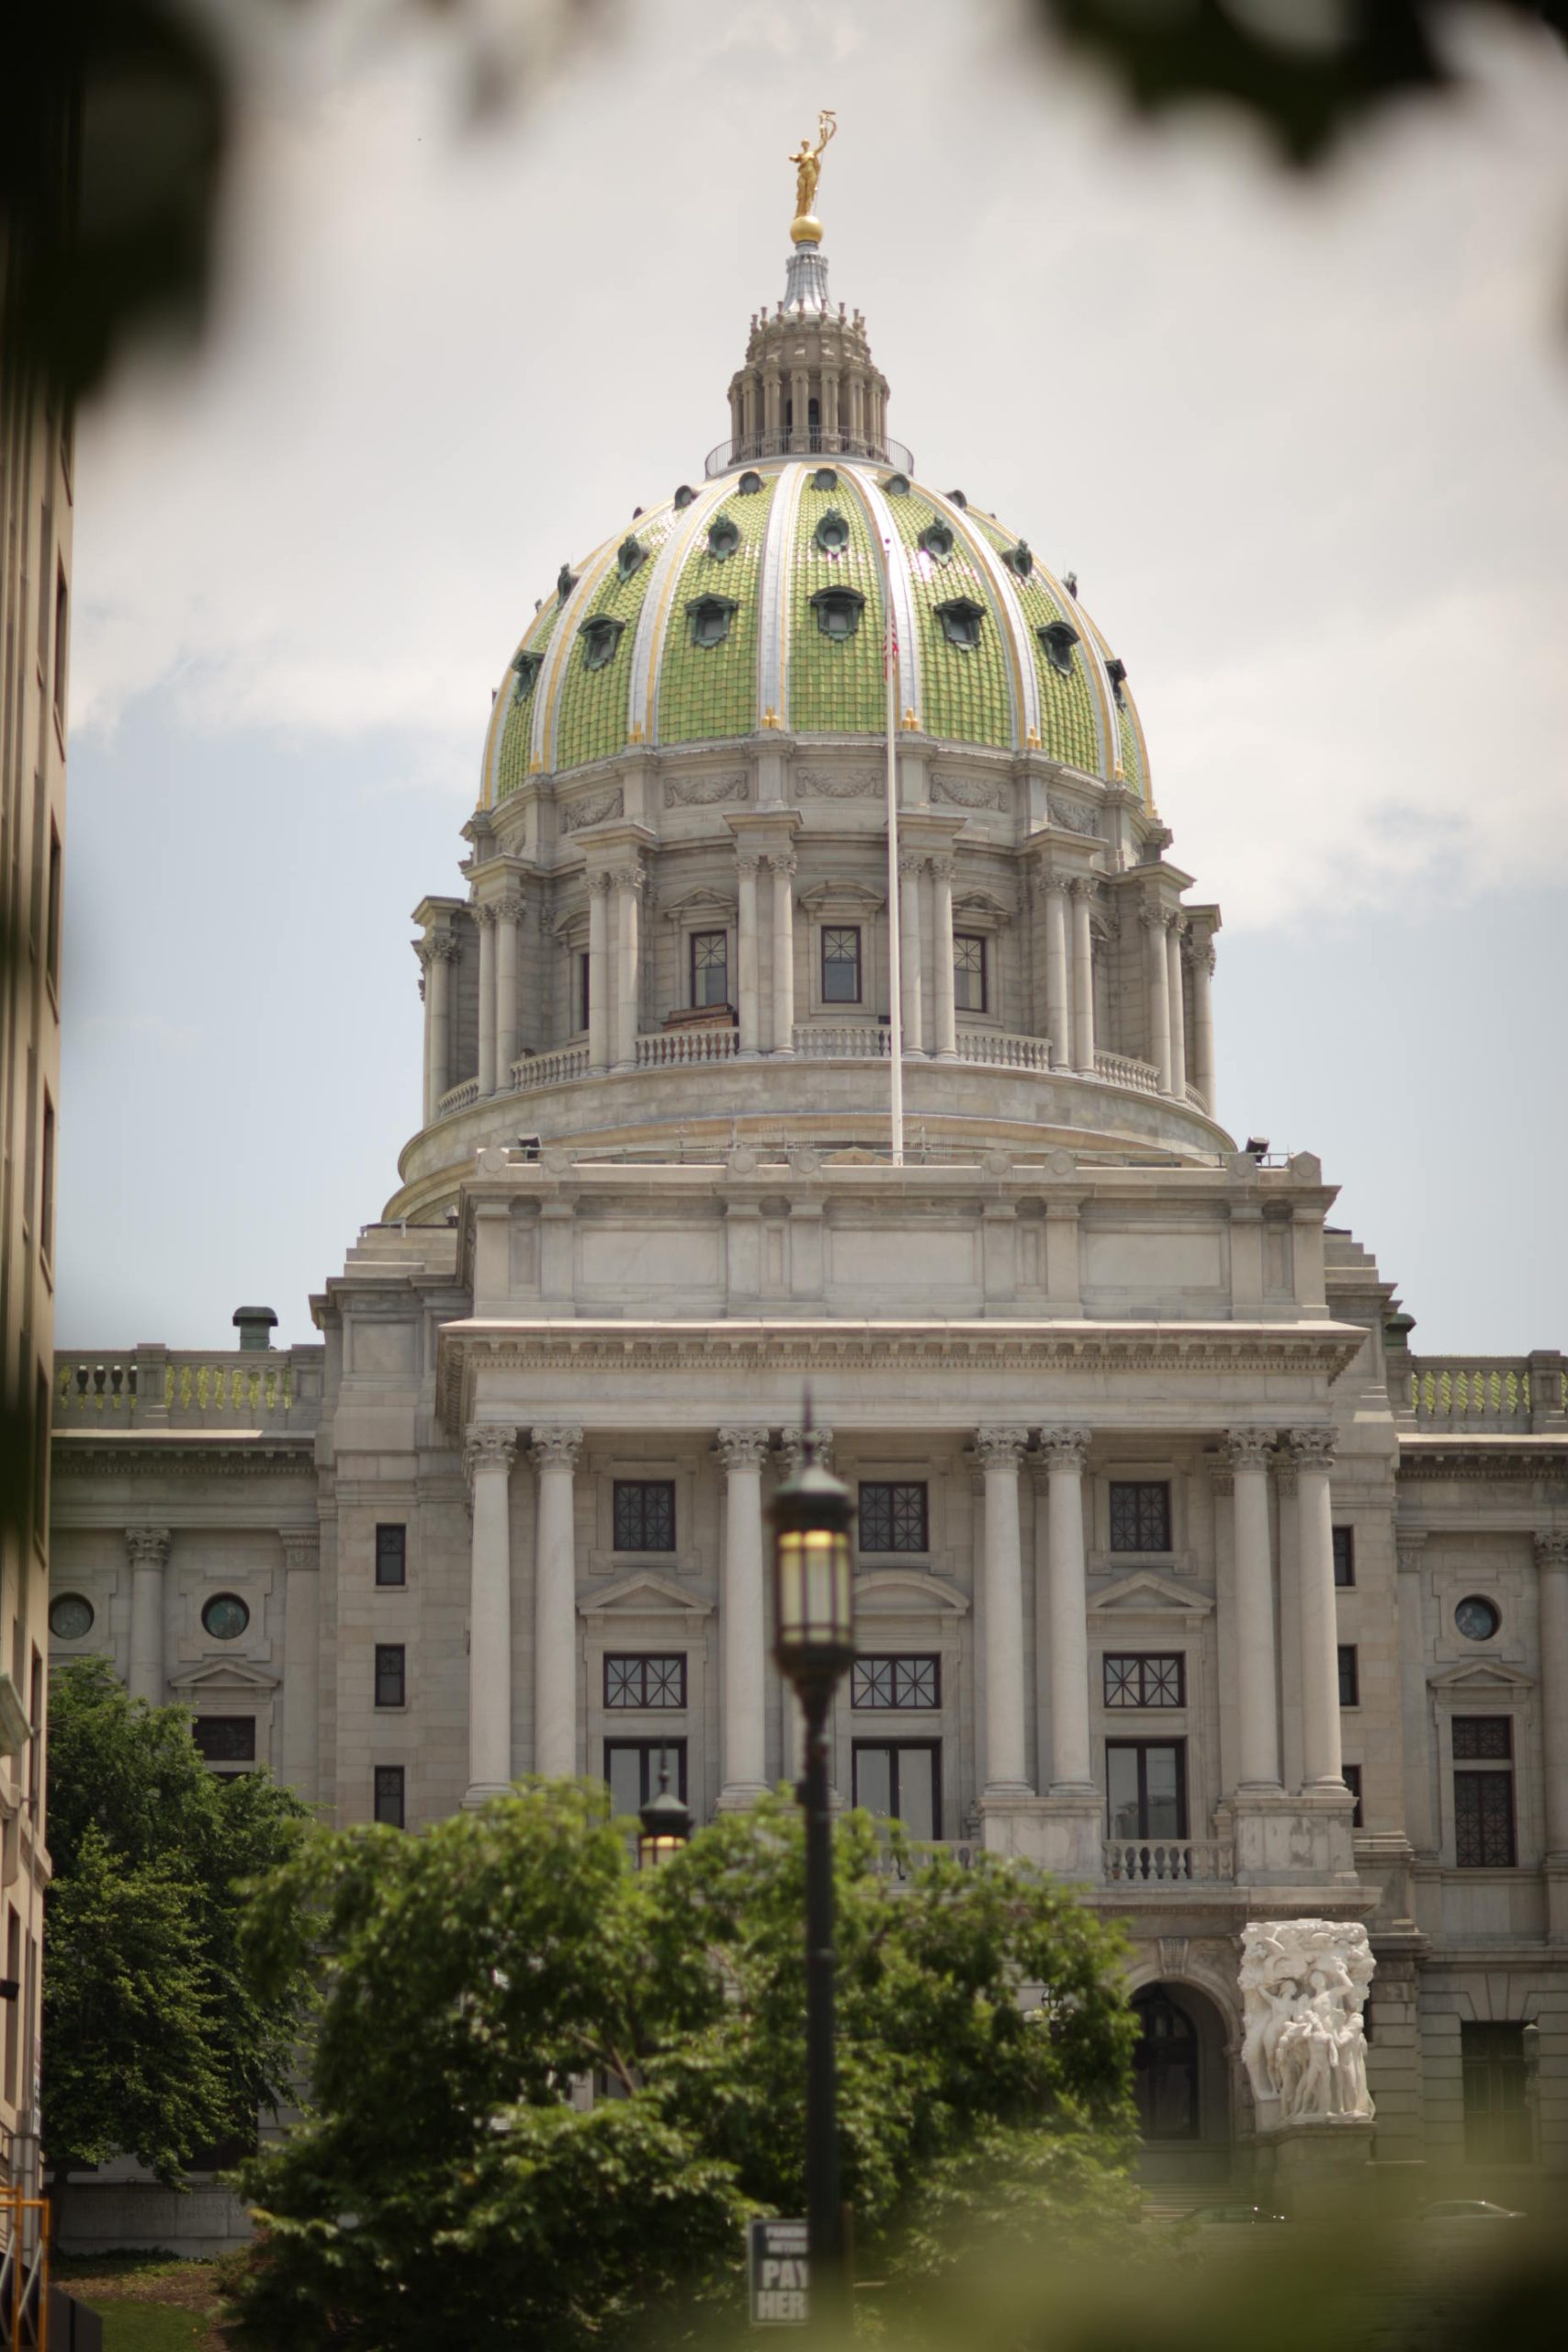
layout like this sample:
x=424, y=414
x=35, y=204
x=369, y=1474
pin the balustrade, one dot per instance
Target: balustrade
x=247, y=1391
x=549, y=1069
x=458, y=1098
x=1116, y=1069
x=667, y=1048
x=1492, y=1392
x=1169, y=1861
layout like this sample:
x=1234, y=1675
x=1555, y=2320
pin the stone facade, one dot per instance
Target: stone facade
x=1162, y=1526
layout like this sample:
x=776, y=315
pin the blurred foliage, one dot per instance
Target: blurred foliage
x=445, y=2187
x=155, y=2041
x=1306, y=71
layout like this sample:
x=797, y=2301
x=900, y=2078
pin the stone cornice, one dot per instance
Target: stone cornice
x=181, y=1453
x=1482, y=1457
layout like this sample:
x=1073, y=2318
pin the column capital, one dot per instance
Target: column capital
x=1411, y=1550
x=1064, y=1450
x=1000, y=1446
x=792, y=1444
x=1083, y=888
x=1152, y=918
x=1313, y=1449
x=485, y=912
x=598, y=884
x=487, y=1445
x=944, y=865
x=302, y=1547
x=1551, y=1549
x=629, y=877
x=1173, y=921
x=740, y=1448
x=512, y=908
x=1246, y=1450
x=783, y=860
x=910, y=861
x=747, y=861
x=557, y=1448
x=148, y=1546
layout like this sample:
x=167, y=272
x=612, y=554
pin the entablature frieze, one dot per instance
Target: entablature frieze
x=157, y=1453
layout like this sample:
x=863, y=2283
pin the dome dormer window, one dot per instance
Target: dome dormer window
x=684, y=496
x=526, y=667
x=833, y=532
x=936, y=540
x=724, y=538
x=1019, y=559
x=837, y=611
x=1117, y=674
x=750, y=483
x=1058, y=638
x=630, y=555
x=896, y=485
x=956, y=498
x=961, y=618
x=824, y=478
x=710, y=618
x=599, y=638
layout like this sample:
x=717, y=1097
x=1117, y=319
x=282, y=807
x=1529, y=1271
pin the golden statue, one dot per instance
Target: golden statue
x=806, y=229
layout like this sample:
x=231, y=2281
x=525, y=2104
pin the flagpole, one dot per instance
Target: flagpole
x=895, y=972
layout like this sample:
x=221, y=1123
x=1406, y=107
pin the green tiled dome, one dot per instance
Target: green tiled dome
x=757, y=602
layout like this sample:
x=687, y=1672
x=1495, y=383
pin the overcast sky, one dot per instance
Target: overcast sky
x=1305, y=445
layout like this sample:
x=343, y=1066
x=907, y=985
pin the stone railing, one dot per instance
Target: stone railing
x=729, y=454
x=841, y=1041
x=1169, y=1861
x=157, y=1388
x=1001, y=1051
x=1116, y=1069
x=666, y=1048
x=1499, y=1392
x=901, y=1869
x=549, y=1070
x=458, y=1098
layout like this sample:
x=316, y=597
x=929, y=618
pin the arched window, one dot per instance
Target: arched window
x=1164, y=2067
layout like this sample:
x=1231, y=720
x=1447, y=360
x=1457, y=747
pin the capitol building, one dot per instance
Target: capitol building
x=1180, y=1573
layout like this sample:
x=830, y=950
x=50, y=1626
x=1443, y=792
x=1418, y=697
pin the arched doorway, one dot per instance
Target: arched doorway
x=1181, y=2085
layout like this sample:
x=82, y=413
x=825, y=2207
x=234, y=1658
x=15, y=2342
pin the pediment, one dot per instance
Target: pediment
x=699, y=902
x=643, y=1595
x=903, y=1592
x=1146, y=1594
x=1482, y=1678
x=223, y=1674
x=981, y=906
x=845, y=896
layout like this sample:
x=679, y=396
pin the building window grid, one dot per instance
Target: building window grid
x=1349, y=1675
x=1353, y=1782
x=645, y=1679
x=1140, y=1515
x=633, y=1767
x=841, y=963
x=709, y=953
x=968, y=972
x=225, y=1739
x=1145, y=1678
x=643, y=1513
x=1484, y=1836
x=1146, y=1788
x=391, y=1555
x=387, y=1795
x=889, y=1682
x=391, y=1674
x=1344, y=1557
x=894, y=1516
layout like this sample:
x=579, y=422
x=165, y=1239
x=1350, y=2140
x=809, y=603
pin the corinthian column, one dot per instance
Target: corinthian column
x=910, y=952
x=628, y=888
x=1158, y=975
x=487, y=1457
x=999, y=1450
x=1551, y=1569
x=555, y=1452
x=485, y=917
x=746, y=925
x=945, y=1041
x=598, y=972
x=783, y=866
x=302, y=1652
x=1058, y=1022
x=1246, y=1454
x=1314, y=1450
x=1083, y=975
x=147, y=1548
x=1203, y=955
x=1177, y=1008
x=1064, y=1451
x=509, y=915
x=741, y=1451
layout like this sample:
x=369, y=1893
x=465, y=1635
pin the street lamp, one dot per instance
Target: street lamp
x=813, y=1642
x=666, y=1826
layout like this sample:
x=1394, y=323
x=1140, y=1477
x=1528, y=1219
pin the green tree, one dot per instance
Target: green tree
x=446, y=2188
x=155, y=2041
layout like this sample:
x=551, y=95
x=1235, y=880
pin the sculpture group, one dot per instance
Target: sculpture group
x=1303, y=1986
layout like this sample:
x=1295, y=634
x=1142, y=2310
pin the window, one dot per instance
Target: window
x=51, y=912
x=61, y=640
x=710, y=968
x=841, y=963
x=710, y=618
x=35, y=1718
x=225, y=1617
x=1497, y=2106
x=1353, y=1782
x=893, y=1516
x=46, y=1181
x=1477, y=1618
x=388, y=1795
x=897, y=1682
x=599, y=638
x=14, y=2006
x=833, y=533
x=225, y=1739
x=750, y=483
x=724, y=536
x=1164, y=2067
x=1116, y=670
x=646, y=1681
x=961, y=618
x=1484, y=1798
x=1019, y=559
x=1140, y=1515
x=824, y=478
x=684, y=496
x=936, y=540
x=1145, y=1678
x=837, y=611
x=391, y=1555
x=968, y=972
x=1349, y=1676
x=391, y=1678
x=583, y=998
x=71, y=1616
x=1344, y=1557
x=527, y=667
x=630, y=555
x=645, y=1514
x=1057, y=639
x=1145, y=1788
x=633, y=1769
x=900, y=1780
x=41, y=1454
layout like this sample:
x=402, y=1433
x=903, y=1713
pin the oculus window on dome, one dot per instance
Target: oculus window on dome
x=1117, y=672
x=71, y=1617
x=1477, y=1618
x=1057, y=639
x=599, y=638
x=936, y=540
x=1019, y=559
x=833, y=533
x=684, y=495
x=630, y=555
x=961, y=618
x=837, y=611
x=527, y=667
x=896, y=485
x=710, y=618
x=824, y=478
x=225, y=1617
x=724, y=538
x=750, y=482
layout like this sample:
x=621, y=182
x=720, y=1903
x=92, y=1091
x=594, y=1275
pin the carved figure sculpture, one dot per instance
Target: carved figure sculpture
x=807, y=161
x=1303, y=1984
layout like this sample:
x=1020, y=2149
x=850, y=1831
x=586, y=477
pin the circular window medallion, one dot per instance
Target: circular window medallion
x=225, y=1617
x=1477, y=1619
x=71, y=1617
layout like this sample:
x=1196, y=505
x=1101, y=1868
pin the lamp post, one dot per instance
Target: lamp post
x=814, y=1643
x=666, y=1826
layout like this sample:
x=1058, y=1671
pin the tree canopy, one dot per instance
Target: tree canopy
x=155, y=2042
x=453, y=2184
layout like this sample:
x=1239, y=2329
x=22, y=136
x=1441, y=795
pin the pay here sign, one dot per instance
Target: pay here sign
x=780, y=2274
